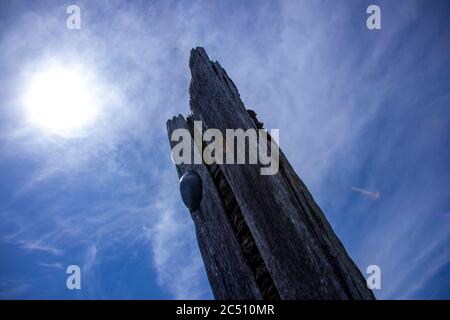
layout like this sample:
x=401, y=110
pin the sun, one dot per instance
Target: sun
x=61, y=100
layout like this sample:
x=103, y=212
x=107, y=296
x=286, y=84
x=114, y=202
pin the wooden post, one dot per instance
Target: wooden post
x=261, y=237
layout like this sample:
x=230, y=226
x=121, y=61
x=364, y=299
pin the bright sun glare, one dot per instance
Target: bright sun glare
x=61, y=100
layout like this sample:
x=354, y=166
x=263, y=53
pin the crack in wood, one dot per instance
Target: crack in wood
x=241, y=230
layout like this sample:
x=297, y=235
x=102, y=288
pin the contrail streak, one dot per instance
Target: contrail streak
x=373, y=194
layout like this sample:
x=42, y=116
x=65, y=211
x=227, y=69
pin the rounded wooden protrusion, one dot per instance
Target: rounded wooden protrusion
x=191, y=189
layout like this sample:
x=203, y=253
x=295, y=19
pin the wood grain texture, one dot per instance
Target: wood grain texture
x=298, y=247
x=228, y=272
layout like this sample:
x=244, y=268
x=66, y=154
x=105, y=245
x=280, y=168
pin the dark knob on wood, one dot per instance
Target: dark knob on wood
x=191, y=189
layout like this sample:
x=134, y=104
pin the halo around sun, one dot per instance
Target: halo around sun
x=61, y=100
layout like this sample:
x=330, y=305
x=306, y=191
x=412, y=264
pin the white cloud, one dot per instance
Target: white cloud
x=38, y=246
x=56, y=265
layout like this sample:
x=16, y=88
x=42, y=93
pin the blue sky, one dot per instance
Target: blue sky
x=355, y=108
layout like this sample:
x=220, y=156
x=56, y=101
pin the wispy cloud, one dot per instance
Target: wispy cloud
x=9, y=289
x=372, y=194
x=37, y=246
x=56, y=265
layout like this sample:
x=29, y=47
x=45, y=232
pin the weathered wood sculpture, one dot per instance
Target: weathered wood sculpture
x=261, y=237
